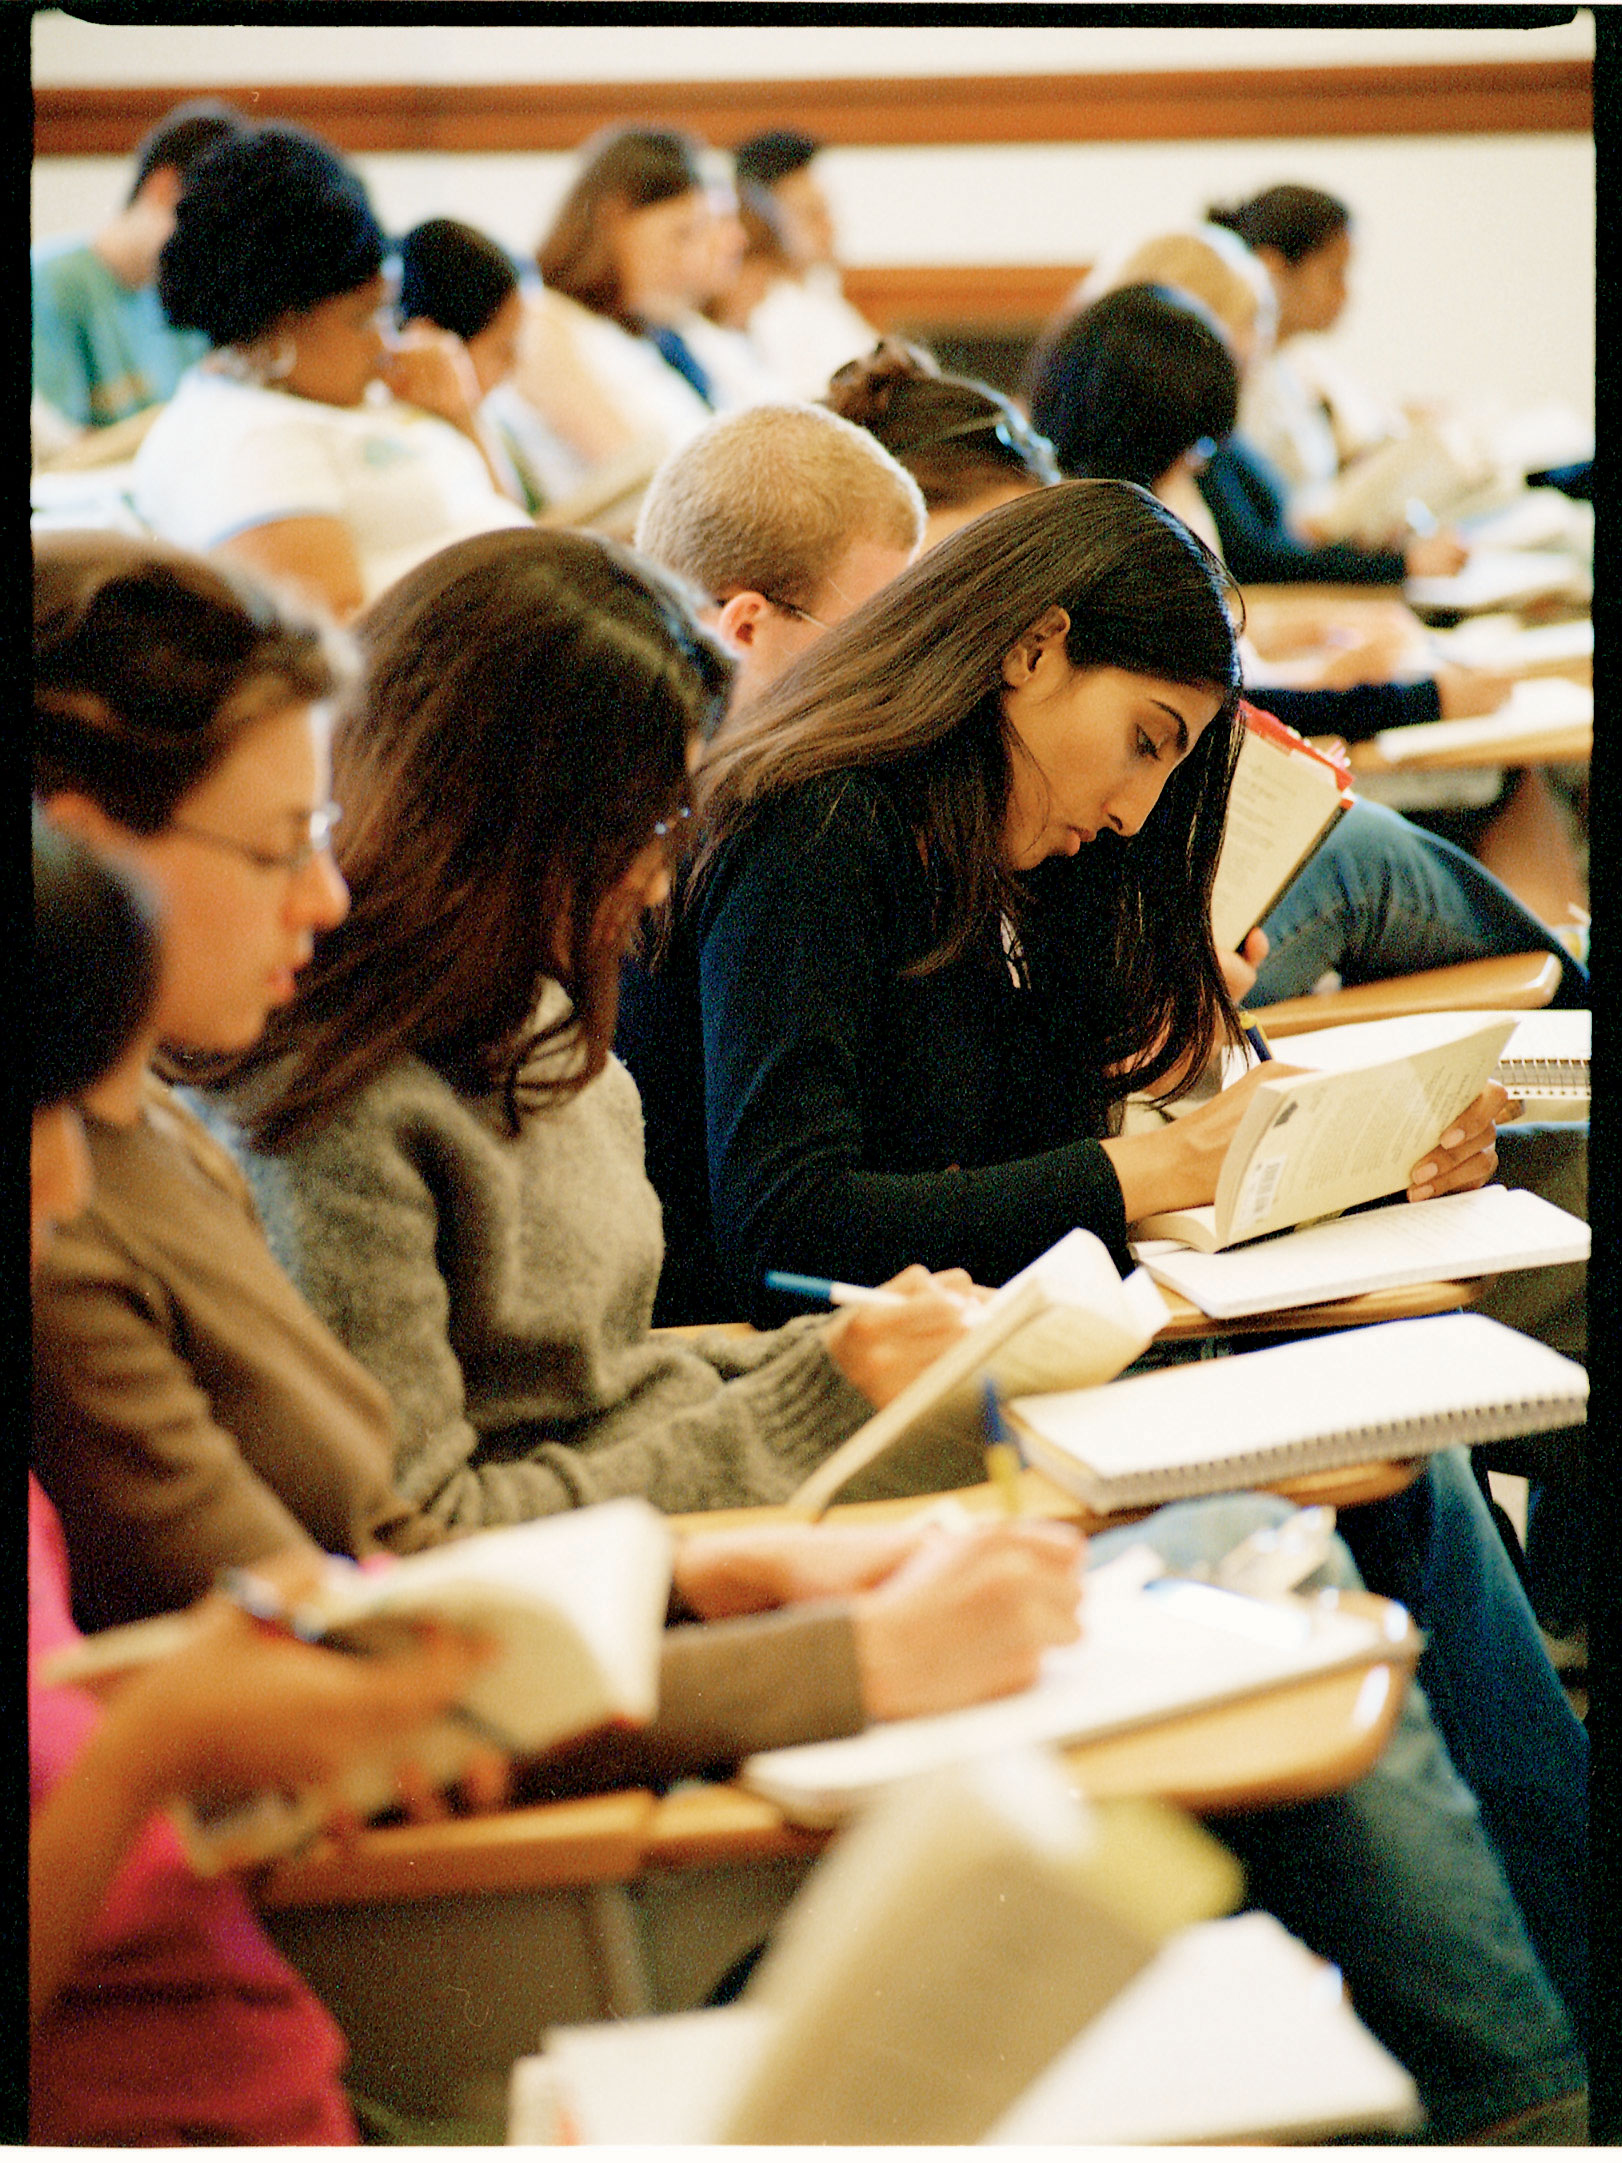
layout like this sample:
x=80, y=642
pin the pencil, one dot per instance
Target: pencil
x=1002, y=1452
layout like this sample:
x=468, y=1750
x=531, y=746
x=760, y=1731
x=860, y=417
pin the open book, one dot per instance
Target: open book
x=577, y=1603
x=1450, y=1236
x=1065, y=1321
x=1286, y=797
x=1539, y=706
x=1152, y=1645
x=1507, y=647
x=1267, y=2050
x=1399, y=1389
x=1311, y=1144
x=936, y=1961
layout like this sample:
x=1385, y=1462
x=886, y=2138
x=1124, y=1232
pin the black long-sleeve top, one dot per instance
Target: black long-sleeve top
x=1246, y=499
x=855, y=1118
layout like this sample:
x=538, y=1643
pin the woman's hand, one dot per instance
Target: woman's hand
x=967, y=1617
x=880, y=1349
x=1465, y=691
x=1434, y=555
x=237, y=1708
x=746, y=1571
x=1176, y=1166
x=428, y=367
x=1239, y=970
x=1467, y=1154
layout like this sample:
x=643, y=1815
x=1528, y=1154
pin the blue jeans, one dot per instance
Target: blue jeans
x=1384, y=898
x=1395, y=1880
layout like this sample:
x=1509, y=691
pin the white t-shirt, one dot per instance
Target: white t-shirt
x=804, y=329
x=225, y=456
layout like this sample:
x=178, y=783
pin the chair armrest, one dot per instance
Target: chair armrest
x=602, y=1837
x=1497, y=980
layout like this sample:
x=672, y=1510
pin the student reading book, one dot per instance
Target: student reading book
x=1286, y=798
x=1311, y=1143
x=1399, y=1389
x=575, y=1605
x=1065, y=1321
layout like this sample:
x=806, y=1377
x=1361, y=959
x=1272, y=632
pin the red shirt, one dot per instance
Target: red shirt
x=180, y=2024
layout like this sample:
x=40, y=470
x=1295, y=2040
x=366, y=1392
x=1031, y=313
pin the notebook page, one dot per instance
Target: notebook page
x=1397, y=1388
x=1447, y=1237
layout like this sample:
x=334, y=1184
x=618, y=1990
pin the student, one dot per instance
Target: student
x=159, y=2012
x=1139, y=386
x=191, y=1412
x=967, y=446
x=270, y=452
x=1245, y=497
x=803, y=326
x=606, y=358
x=103, y=348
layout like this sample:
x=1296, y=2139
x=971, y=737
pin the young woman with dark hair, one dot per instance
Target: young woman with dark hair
x=967, y=842
x=967, y=446
x=515, y=773
x=273, y=451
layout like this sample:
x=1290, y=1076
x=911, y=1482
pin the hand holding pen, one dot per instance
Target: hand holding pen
x=884, y=1336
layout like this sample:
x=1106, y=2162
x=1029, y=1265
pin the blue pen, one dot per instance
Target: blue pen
x=831, y=1291
x=1257, y=1042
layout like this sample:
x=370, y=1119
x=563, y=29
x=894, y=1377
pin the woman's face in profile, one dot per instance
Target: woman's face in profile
x=663, y=254
x=1098, y=745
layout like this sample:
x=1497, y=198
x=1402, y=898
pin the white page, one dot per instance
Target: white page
x=1143, y=1653
x=1265, y=2046
x=1278, y=807
x=1447, y=1237
x=1496, y=578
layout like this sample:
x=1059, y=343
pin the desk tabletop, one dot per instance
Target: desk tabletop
x=1565, y=746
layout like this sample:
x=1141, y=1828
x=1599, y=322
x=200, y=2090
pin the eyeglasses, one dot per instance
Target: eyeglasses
x=1011, y=429
x=322, y=820
x=664, y=828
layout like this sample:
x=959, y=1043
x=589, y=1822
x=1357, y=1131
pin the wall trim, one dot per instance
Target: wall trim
x=1482, y=98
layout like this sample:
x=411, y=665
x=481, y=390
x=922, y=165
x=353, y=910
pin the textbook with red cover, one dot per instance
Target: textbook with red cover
x=1287, y=797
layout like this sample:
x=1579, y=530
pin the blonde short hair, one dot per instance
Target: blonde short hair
x=768, y=500
x=1207, y=261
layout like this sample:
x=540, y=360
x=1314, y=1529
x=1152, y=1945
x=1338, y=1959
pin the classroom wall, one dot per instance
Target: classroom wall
x=1474, y=275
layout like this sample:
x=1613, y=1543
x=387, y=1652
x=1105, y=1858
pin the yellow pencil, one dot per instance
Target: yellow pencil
x=1002, y=1454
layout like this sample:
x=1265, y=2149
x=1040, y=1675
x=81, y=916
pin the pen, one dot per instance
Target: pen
x=832, y=1291
x=1003, y=1458
x=262, y=1603
x=1257, y=1042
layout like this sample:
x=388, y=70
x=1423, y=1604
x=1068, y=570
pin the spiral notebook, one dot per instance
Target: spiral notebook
x=1399, y=1389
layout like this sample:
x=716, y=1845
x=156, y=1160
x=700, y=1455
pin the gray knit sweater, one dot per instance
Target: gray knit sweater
x=501, y=1290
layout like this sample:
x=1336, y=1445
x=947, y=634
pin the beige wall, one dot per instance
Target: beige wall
x=1475, y=267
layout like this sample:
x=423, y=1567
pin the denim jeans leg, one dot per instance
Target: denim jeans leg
x=1394, y=1882
x=1495, y=1698
x=1382, y=898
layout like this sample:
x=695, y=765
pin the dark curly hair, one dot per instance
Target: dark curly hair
x=454, y=275
x=93, y=966
x=271, y=223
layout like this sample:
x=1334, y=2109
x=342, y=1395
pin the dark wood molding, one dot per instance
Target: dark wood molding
x=1482, y=98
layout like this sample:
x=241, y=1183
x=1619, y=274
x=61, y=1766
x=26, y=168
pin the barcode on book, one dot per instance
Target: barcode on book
x=1256, y=1196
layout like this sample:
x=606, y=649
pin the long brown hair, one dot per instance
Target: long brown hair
x=522, y=723
x=911, y=686
x=627, y=168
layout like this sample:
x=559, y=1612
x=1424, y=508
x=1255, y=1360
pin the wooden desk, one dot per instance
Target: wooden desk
x=1566, y=746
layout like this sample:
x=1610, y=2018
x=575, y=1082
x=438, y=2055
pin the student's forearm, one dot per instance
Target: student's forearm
x=1161, y=1170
